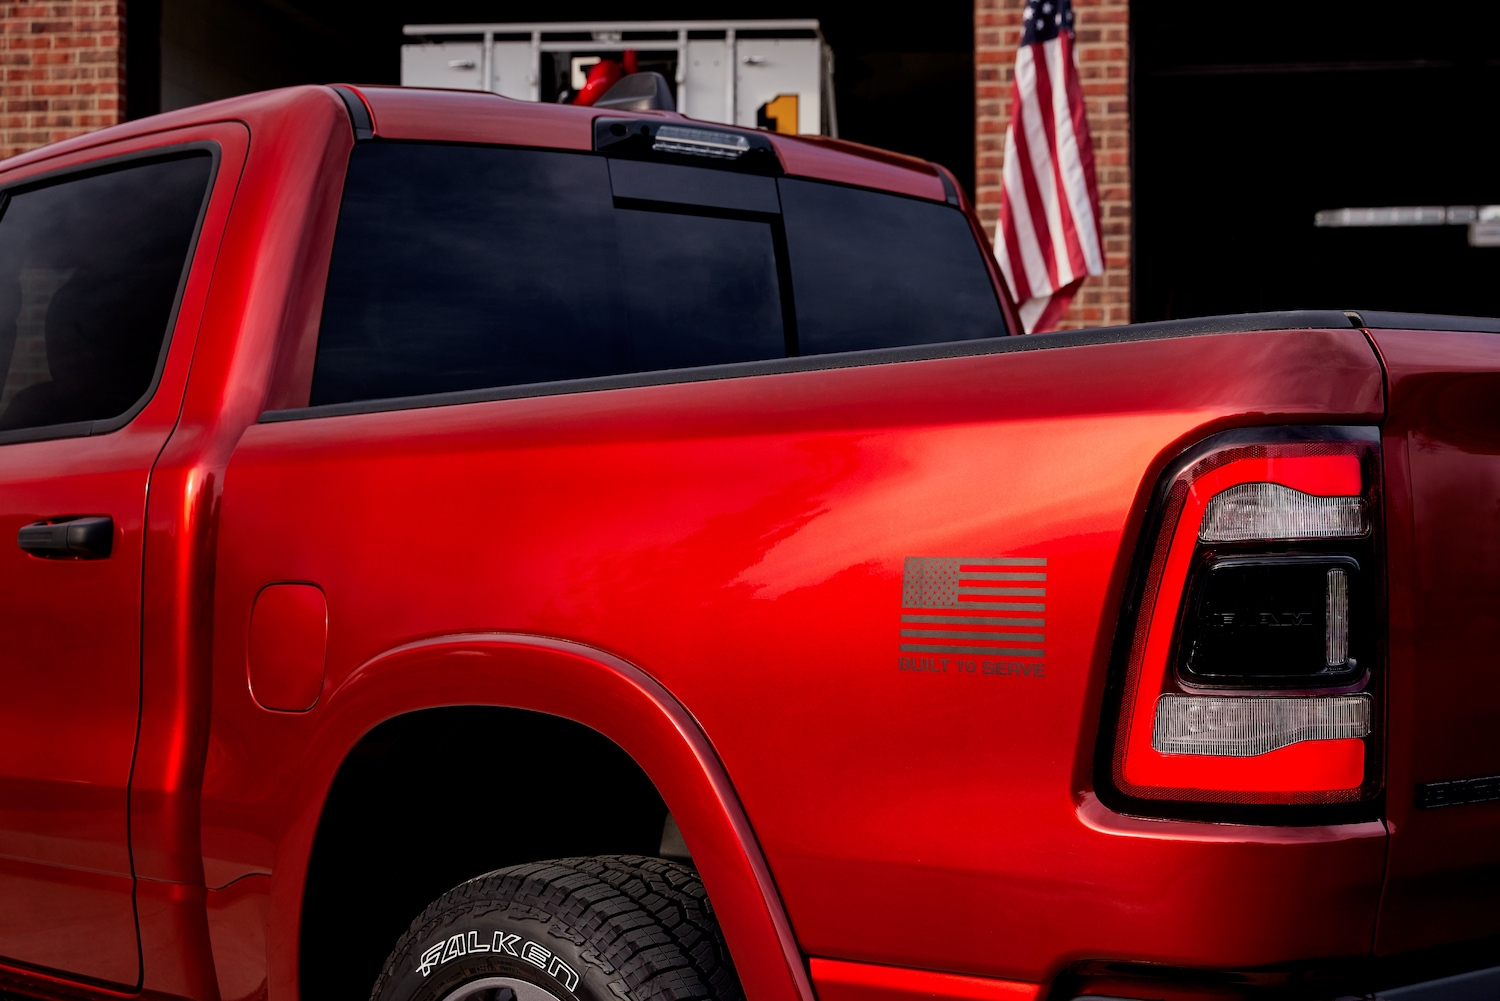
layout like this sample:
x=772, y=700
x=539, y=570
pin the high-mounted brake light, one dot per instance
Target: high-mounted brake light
x=654, y=139
x=1250, y=676
x=700, y=142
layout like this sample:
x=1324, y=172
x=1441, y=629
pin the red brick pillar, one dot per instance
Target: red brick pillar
x=64, y=71
x=1103, y=28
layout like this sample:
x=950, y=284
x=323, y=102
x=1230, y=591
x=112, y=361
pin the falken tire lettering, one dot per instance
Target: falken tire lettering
x=463, y=944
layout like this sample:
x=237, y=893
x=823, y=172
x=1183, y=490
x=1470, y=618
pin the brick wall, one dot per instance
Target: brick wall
x=64, y=71
x=1103, y=54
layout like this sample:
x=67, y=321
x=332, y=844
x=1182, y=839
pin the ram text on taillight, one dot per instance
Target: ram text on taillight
x=1248, y=672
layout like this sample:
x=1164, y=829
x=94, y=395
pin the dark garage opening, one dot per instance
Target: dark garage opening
x=1250, y=119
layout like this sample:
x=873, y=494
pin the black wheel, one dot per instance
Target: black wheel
x=611, y=928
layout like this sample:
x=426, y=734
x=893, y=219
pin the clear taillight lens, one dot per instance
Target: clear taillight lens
x=1245, y=727
x=1270, y=511
x=1336, y=620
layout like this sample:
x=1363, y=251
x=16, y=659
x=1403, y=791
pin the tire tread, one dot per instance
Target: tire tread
x=646, y=922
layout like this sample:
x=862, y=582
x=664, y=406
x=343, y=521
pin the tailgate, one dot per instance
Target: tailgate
x=1442, y=454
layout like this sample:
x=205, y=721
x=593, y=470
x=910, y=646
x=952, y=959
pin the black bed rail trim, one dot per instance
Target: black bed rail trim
x=1302, y=319
x=1379, y=319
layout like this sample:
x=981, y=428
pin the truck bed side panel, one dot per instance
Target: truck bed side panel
x=744, y=542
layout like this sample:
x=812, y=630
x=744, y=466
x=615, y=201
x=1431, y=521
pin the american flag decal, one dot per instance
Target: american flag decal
x=981, y=606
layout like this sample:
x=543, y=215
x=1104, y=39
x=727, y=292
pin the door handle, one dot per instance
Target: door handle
x=78, y=538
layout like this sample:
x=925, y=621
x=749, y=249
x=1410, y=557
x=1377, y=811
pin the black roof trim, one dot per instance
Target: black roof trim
x=1379, y=319
x=1238, y=323
x=359, y=115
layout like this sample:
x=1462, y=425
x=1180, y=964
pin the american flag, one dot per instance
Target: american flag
x=974, y=605
x=1048, y=238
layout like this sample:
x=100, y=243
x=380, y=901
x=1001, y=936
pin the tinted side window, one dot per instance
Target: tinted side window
x=465, y=267
x=475, y=267
x=89, y=272
x=875, y=270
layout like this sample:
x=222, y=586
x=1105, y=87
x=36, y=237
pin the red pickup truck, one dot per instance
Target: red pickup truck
x=469, y=549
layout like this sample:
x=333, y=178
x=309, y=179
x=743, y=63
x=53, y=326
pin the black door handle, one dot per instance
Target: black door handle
x=79, y=538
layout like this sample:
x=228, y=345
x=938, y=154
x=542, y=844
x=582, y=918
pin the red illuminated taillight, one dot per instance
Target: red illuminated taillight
x=1247, y=668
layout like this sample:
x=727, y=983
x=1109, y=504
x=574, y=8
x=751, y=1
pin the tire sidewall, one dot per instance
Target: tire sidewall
x=459, y=948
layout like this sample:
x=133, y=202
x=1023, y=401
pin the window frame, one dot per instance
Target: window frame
x=793, y=362
x=62, y=175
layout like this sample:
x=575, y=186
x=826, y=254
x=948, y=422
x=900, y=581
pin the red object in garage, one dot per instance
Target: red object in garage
x=605, y=74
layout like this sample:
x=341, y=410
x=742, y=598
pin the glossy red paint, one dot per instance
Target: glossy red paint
x=467, y=116
x=461, y=116
x=1442, y=454
x=840, y=981
x=710, y=575
x=749, y=501
x=238, y=916
x=852, y=163
x=267, y=289
x=288, y=638
x=529, y=672
x=71, y=674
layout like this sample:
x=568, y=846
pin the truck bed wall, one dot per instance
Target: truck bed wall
x=742, y=541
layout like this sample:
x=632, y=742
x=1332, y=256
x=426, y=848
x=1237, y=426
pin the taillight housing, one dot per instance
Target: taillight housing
x=1247, y=670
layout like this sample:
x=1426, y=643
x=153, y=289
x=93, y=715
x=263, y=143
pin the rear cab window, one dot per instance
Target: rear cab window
x=478, y=267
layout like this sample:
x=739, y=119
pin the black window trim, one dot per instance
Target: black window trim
x=84, y=429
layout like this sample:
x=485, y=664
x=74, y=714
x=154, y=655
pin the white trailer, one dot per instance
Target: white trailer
x=773, y=73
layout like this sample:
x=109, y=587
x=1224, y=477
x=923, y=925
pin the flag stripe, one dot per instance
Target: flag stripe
x=1084, y=253
x=1065, y=162
x=998, y=620
x=1058, y=215
x=1003, y=561
x=1031, y=143
x=978, y=620
x=1084, y=147
x=1011, y=256
x=1007, y=606
x=959, y=634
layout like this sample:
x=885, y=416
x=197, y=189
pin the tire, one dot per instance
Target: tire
x=610, y=928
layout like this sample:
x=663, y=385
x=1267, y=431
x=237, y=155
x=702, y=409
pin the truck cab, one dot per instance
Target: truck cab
x=467, y=546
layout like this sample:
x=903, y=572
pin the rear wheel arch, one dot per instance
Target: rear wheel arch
x=561, y=691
